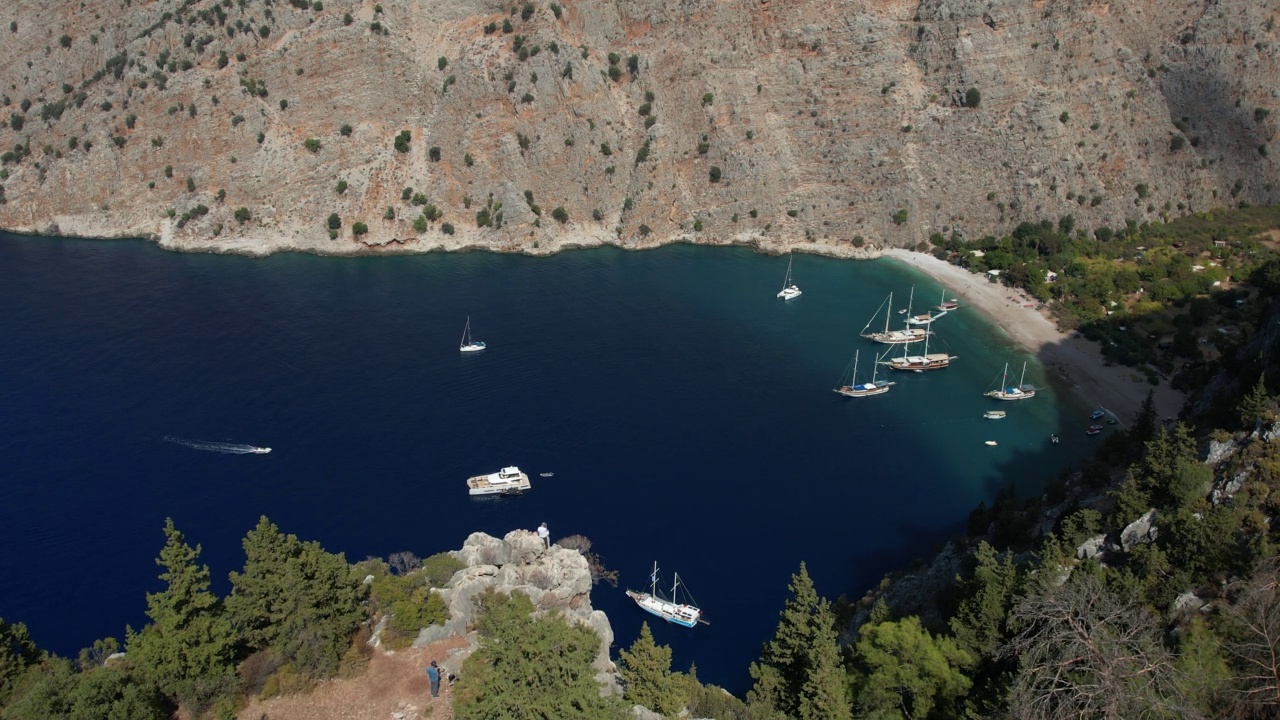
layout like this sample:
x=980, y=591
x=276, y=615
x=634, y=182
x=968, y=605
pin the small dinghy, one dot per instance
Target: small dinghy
x=991, y=442
x=545, y=474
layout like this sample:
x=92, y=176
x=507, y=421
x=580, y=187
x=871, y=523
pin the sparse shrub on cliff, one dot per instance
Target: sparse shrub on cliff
x=191, y=185
x=222, y=194
x=900, y=217
x=284, y=104
x=347, y=19
x=523, y=140
x=390, y=214
x=650, y=121
x=644, y=230
x=614, y=73
x=483, y=219
x=556, y=10
x=506, y=26
x=16, y=121
x=972, y=97
x=358, y=229
x=420, y=223
x=526, y=98
x=633, y=65
x=645, y=109
x=468, y=160
x=345, y=130
x=119, y=140
x=312, y=145
x=605, y=149
x=560, y=215
x=434, y=153
x=65, y=41
x=402, y=141
x=243, y=215
x=491, y=28
x=526, y=11
x=334, y=221
x=341, y=187
x=707, y=99
x=442, y=62
x=643, y=153
x=597, y=215
x=447, y=228
x=704, y=146
x=715, y=173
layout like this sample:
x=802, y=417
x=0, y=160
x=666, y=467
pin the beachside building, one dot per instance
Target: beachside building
x=993, y=275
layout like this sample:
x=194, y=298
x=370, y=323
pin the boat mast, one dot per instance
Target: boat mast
x=1024, y=374
x=1004, y=381
x=466, y=330
x=888, y=312
x=675, y=585
x=653, y=586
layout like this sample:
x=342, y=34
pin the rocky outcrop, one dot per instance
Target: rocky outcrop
x=790, y=122
x=556, y=579
x=1140, y=531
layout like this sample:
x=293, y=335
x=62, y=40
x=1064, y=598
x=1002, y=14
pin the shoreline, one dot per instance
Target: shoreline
x=1078, y=362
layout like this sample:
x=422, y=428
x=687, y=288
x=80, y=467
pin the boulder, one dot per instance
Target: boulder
x=1218, y=451
x=1091, y=548
x=1142, y=530
x=1189, y=602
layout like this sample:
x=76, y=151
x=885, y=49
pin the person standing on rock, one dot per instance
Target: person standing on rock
x=433, y=674
x=545, y=534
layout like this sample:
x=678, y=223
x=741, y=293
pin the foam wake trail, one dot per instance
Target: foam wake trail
x=218, y=447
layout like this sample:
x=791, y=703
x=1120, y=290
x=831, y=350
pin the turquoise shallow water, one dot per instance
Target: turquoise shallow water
x=686, y=412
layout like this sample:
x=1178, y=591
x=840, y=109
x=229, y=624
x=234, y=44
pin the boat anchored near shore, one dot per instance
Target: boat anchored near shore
x=891, y=337
x=507, y=481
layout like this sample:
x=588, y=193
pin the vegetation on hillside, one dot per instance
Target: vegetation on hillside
x=1152, y=294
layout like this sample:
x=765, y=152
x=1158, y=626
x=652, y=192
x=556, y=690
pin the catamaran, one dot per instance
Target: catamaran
x=1004, y=392
x=469, y=344
x=507, y=481
x=853, y=389
x=891, y=337
x=789, y=289
x=920, y=363
x=673, y=611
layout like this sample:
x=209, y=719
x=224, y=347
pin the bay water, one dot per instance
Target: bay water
x=687, y=415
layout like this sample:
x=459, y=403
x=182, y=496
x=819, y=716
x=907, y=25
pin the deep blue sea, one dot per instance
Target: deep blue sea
x=686, y=412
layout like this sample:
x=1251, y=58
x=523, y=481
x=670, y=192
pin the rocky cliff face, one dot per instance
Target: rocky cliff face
x=815, y=124
x=556, y=579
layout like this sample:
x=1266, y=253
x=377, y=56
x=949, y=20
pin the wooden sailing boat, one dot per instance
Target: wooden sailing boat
x=892, y=337
x=1004, y=392
x=920, y=363
x=469, y=344
x=672, y=610
x=789, y=289
x=853, y=389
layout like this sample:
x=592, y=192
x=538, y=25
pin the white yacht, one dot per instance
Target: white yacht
x=507, y=481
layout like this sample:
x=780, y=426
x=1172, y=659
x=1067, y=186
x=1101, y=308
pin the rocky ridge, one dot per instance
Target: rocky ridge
x=556, y=579
x=825, y=126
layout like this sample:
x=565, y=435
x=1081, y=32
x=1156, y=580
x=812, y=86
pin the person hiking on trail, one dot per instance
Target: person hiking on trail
x=433, y=674
x=545, y=534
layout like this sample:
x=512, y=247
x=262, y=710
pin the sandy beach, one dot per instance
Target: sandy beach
x=1117, y=389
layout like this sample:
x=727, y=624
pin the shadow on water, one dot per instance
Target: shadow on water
x=685, y=411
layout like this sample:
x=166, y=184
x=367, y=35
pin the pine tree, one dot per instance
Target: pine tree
x=908, y=672
x=825, y=693
x=1145, y=424
x=530, y=667
x=1256, y=406
x=187, y=648
x=646, y=675
x=17, y=653
x=296, y=598
x=795, y=672
x=979, y=621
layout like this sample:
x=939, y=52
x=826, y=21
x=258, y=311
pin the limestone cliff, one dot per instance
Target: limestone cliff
x=809, y=123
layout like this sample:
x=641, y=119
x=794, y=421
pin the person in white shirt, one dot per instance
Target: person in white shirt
x=545, y=534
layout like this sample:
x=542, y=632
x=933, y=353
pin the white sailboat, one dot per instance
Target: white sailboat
x=1005, y=392
x=853, y=389
x=946, y=305
x=469, y=344
x=671, y=610
x=891, y=337
x=789, y=289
